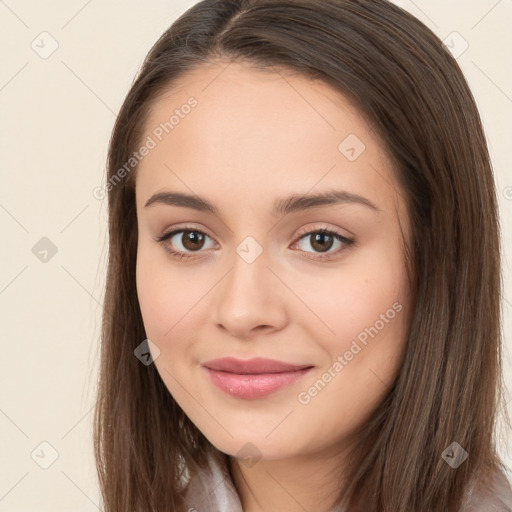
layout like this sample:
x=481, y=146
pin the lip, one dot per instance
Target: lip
x=254, y=378
x=253, y=366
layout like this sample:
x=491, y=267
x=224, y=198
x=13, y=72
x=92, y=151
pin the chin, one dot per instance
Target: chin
x=257, y=445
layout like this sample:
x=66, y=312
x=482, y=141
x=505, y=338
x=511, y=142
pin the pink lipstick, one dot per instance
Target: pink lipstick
x=253, y=378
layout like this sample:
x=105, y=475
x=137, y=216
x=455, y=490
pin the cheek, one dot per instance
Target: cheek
x=363, y=312
x=166, y=304
x=154, y=299
x=363, y=299
x=166, y=295
x=362, y=361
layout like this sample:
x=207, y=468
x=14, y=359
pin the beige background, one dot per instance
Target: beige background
x=56, y=117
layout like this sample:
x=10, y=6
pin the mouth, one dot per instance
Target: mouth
x=254, y=378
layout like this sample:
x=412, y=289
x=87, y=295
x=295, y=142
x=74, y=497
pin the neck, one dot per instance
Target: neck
x=305, y=482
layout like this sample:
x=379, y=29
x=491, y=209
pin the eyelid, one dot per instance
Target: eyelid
x=303, y=233
x=177, y=229
x=307, y=230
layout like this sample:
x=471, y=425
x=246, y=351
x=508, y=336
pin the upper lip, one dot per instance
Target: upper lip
x=256, y=365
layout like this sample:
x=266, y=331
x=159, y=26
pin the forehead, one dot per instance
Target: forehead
x=254, y=133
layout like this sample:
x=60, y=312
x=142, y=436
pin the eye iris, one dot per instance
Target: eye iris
x=320, y=238
x=195, y=239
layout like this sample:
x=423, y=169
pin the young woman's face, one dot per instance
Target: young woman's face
x=254, y=276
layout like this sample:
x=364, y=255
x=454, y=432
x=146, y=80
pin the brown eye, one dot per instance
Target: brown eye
x=321, y=241
x=183, y=243
x=192, y=240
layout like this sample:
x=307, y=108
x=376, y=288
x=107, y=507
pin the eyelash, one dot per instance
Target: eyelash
x=321, y=256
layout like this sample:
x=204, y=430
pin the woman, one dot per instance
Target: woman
x=245, y=364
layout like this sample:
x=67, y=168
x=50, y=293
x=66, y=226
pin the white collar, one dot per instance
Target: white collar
x=212, y=490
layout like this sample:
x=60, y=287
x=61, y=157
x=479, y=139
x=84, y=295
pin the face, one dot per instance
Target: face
x=251, y=268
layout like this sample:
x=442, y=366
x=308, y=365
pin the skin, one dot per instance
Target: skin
x=254, y=137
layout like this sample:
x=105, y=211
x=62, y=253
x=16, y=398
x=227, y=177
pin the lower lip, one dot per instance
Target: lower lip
x=253, y=386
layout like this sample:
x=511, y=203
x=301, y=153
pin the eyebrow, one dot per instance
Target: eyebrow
x=283, y=206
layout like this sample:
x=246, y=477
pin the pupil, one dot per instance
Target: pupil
x=319, y=237
x=193, y=238
x=319, y=240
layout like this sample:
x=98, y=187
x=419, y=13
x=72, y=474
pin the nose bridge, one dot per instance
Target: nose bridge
x=248, y=298
x=249, y=268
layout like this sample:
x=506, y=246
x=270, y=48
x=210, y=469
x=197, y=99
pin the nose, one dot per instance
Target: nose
x=251, y=299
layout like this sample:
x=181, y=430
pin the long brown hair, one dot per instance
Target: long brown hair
x=450, y=388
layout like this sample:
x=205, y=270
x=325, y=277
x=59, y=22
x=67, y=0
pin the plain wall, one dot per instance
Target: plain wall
x=56, y=116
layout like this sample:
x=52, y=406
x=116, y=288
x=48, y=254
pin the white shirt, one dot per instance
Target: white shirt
x=214, y=491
